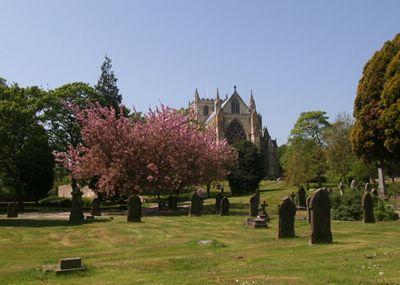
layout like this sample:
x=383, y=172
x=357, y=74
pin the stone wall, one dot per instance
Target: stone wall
x=64, y=191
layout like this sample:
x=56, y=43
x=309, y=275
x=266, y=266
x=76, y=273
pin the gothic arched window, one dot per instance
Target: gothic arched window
x=205, y=111
x=235, y=106
x=235, y=132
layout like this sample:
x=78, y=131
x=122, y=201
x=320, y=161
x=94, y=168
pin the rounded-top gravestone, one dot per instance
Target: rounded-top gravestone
x=95, y=210
x=76, y=214
x=172, y=202
x=341, y=187
x=218, y=199
x=302, y=197
x=12, y=210
x=134, y=209
x=287, y=213
x=254, y=204
x=353, y=184
x=224, y=207
x=368, y=207
x=320, y=206
x=196, y=205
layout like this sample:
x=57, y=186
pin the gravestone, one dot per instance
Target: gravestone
x=293, y=197
x=287, y=213
x=320, y=206
x=134, y=209
x=254, y=204
x=218, y=199
x=367, y=187
x=353, y=184
x=76, y=214
x=172, y=202
x=302, y=197
x=196, y=205
x=224, y=207
x=12, y=210
x=308, y=209
x=381, y=182
x=341, y=187
x=262, y=213
x=95, y=211
x=368, y=208
x=70, y=265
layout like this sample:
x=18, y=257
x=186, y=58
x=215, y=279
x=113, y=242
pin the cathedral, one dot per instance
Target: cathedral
x=234, y=120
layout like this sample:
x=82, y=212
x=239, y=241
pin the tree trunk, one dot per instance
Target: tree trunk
x=208, y=185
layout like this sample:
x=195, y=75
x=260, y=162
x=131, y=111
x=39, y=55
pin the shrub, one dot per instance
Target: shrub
x=384, y=213
x=393, y=189
x=246, y=176
x=347, y=207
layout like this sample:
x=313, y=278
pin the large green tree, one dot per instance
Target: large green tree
x=25, y=156
x=343, y=164
x=59, y=113
x=311, y=126
x=376, y=133
x=340, y=157
x=304, y=159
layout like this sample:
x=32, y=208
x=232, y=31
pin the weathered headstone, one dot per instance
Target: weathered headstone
x=196, y=205
x=254, y=204
x=76, y=214
x=224, y=207
x=134, y=209
x=293, y=197
x=70, y=265
x=367, y=187
x=302, y=197
x=172, y=202
x=287, y=213
x=341, y=187
x=308, y=209
x=218, y=199
x=353, y=184
x=368, y=208
x=320, y=206
x=381, y=182
x=12, y=210
x=95, y=210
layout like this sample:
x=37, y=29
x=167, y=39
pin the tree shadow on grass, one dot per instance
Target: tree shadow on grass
x=36, y=223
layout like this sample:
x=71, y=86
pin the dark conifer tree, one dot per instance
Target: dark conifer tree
x=107, y=86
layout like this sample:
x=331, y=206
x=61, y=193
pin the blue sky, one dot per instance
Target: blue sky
x=296, y=55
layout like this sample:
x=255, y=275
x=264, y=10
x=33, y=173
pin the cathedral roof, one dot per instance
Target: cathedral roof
x=234, y=95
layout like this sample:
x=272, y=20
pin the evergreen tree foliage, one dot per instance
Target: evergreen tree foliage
x=246, y=176
x=107, y=86
x=376, y=134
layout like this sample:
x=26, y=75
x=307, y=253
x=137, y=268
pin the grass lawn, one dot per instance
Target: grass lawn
x=164, y=250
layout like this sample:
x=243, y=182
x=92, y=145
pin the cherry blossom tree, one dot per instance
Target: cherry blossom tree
x=163, y=153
